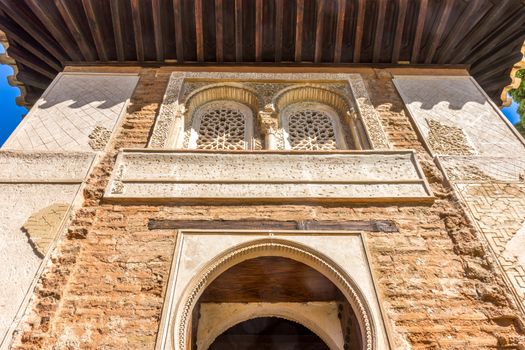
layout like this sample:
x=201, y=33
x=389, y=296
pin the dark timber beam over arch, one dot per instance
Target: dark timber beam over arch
x=264, y=32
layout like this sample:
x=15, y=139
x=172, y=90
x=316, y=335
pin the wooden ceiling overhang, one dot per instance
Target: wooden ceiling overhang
x=46, y=35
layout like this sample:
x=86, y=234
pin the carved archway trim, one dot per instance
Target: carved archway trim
x=273, y=247
x=311, y=93
x=220, y=91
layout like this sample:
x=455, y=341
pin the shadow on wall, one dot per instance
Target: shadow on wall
x=98, y=91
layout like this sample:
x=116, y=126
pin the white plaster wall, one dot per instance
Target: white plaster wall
x=18, y=262
x=70, y=109
x=457, y=101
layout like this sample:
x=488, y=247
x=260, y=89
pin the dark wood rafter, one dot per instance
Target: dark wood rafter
x=238, y=30
x=199, y=34
x=378, y=40
x=33, y=30
x=95, y=30
x=258, y=29
x=400, y=26
x=177, y=10
x=319, y=31
x=75, y=30
x=421, y=20
x=443, y=19
x=31, y=47
x=116, y=14
x=299, y=30
x=157, y=29
x=26, y=60
x=219, y=31
x=278, y=30
x=137, y=29
x=49, y=34
x=359, y=30
x=341, y=13
x=44, y=12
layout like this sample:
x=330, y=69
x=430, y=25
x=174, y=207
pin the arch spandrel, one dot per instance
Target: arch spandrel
x=271, y=247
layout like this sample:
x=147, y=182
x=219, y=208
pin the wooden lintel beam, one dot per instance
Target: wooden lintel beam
x=400, y=26
x=117, y=29
x=238, y=30
x=299, y=30
x=380, y=25
x=318, y=51
x=43, y=13
x=157, y=29
x=322, y=225
x=258, y=29
x=279, y=10
x=358, y=40
x=179, y=44
x=420, y=26
x=219, y=28
x=94, y=27
x=341, y=13
x=137, y=29
x=437, y=36
x=75, y=30
x=35, y=32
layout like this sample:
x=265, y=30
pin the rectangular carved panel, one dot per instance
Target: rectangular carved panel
x=267, y=176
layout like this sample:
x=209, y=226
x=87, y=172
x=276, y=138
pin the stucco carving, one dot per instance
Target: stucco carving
x=99, y=137
x=447, y=139
x=258, y=91
x=170, y=110
x=369, y=116
x=280, y=248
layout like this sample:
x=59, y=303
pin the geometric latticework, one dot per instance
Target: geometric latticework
x=311, y=130
x=222, y=125
x=222, y=129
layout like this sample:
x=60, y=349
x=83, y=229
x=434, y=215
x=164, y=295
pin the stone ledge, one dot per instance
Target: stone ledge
x=265, y=176
x=44, y=167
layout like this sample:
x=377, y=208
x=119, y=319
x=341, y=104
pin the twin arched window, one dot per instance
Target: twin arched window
x=304, y=126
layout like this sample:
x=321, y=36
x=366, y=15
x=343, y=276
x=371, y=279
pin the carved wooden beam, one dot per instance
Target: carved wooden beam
x=314, y=225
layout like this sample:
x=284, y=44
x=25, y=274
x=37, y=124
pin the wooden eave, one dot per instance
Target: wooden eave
x=46, y=35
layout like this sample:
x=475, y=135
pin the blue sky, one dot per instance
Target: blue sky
x=10, y=113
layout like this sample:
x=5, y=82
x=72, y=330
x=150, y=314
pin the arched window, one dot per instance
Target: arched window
x=312, y=126
x=222, y=125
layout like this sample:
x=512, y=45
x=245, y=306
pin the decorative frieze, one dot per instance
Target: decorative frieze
x=388, y=176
